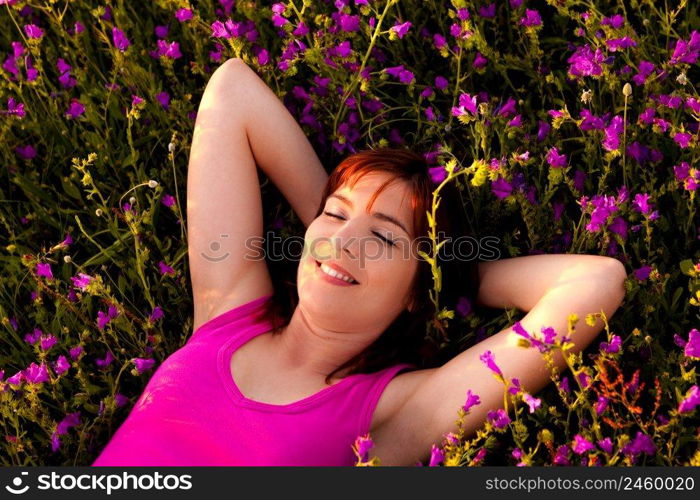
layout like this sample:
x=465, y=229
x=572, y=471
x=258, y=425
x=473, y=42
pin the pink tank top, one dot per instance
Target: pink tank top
x=192, y=414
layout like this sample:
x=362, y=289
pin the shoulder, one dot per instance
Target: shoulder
x=395, y=394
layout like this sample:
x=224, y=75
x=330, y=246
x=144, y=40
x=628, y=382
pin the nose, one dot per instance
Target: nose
x=346, y=240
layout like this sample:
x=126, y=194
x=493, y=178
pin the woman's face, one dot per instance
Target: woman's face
x=348, y=237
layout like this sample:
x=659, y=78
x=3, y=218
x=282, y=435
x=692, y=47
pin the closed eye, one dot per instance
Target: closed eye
x=373, y=232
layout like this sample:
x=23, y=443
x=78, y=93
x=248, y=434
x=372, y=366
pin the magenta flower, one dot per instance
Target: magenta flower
x=682, y=139
x=78, y=28
x=33, y=31
x=441, y=82
x=17, y=378
x=488, y=11
x=487, y=358
x=362, y=447
x=616, y=44
x=508, y=108
x=464, y=306
x=640, y=444
x=612, y=134
x=75, y=352
x=47, y=341
x=641, y=203
x=467, y=103
x=349, y=23
x=436, y=456
x=168, y=200
x=601, y=405
x=15, y=108
x=169, y=49
x=81, y=281
x=143, y=365
x=686, y=52
x=32, y=338
x=606, y=445
x=70, y=420
x=532, y=402
x=691, y=401
x=183, y=15
x=616, y=21
x=44, y=269
x=120, y=40
x=277, y=19
x=75, y=109
x=586, y=63
x=479, y=60
x=401, y=29
x=104, y=318
x=581, y=445
x=472, y=400
x=36, y=374
x=555, y=159
x=165, y=269
x=219, y=30
x=26, y=152
x=120, y=399
x=61, y=365
x=692, y=347
x=613, y=346
x=501, y=188
x=532, y=18
x=106, y=361
x=499, y=418
x=402, y=74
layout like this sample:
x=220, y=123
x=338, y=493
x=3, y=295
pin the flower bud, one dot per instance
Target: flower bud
x=171, y=147
x=67, y=259
x=682, y=78
x=152, y=183
x=132, y=200
x=627, y=90
x=98, y=212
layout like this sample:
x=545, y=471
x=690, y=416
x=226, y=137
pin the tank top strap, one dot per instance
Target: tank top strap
x=376, y=383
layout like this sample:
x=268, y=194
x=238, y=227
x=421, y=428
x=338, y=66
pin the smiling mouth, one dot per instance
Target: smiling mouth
x=353, y=282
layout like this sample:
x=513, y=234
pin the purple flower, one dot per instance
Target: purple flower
x=26, y=152
x=120, y=399
x=641, y=203
x=532, y=402
x=32, y=338
x=36, y=374
x=168, y=200
x=581, y=445
x=532, y=18
x=436, y=456
x=508, y=108
x=586, y=63
x=33, y=31
x=640, y=444
x=169, y=49
x=120, y=40
x=642, y=273
x=479, y=60
x=401, y=29
x=501, y=188
x=143, y=365
x=156, y=314
x=488, y=359
x=555, y=159
x=682, y=139
x=44, y=269
x=499, y=418
x=472, y=400
x=70, y=420
x=75, y=109
x=161, y=31
x=103, y=363
x=75, y=352
x=219, y=30
x=81, y=281
x=135, y=100
x=15, y=108
x=612, y=134
x=606, y=445
x=362, y=446
x=691, y=401
x=441, y=83
x=47, y=341
x=104, y=318
x=61, y=365
x=165, y=269
x=464, y=306
x=488, y=11
x=692, y=347
x=615, y=21
x=601, y=405
x=686, y=52
x=613, y=346
x=183, y=15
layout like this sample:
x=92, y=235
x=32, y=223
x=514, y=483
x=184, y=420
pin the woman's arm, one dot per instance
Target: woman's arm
x=279, y=145
x=521, y=282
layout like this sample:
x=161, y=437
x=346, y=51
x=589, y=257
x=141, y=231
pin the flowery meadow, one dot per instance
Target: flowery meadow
x=568, y=126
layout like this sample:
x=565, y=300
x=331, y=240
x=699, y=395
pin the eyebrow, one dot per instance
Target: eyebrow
x=378, y=215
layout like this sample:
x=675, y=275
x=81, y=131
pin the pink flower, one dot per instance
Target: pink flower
x=75, y=109
x=165, y=269
x=582, y=445
x=81, y=281
x=33, y=31
x=120, y=40
x=44, y=269
x=532, y=402
x=436, y=456
x=143, y=365
x=472, y=400
x=692, y=347
x=36, y=374
x=555, y=159
x=61, y=364
x=488, y=359
x=691, y=401
x=362, y=446
x=183, y=15
x=168, y=200
x=498, y=418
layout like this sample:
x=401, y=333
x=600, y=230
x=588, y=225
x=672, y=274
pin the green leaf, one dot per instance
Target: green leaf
x=686, y=266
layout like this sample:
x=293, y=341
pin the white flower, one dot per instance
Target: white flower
x=66, y=258
x=132, y=200
x=586, y=96
x=682, y=79
x=98, y=212
x=171, y=147
x=152, y=183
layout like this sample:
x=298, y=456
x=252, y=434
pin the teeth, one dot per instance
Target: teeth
x=335, y=274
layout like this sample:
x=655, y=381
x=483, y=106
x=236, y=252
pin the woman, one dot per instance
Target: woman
x=260, y=385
